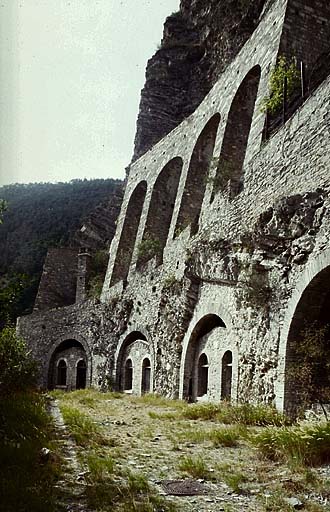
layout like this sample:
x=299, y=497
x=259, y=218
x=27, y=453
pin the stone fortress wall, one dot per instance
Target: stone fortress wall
x=221, y=253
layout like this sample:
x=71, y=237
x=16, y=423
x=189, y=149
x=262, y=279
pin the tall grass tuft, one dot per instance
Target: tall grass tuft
x=84, y=431
x=194, y=466
x=244, y=414
x=298, y=445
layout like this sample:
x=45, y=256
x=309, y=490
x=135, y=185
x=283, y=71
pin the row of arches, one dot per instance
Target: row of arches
x=165, y=190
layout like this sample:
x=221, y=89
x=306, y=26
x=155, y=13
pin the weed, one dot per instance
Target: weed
x=194, y=466
x=284, y=69
x=83, y=429
x=245, y=414
x=297, y=445
x=149, y=248
x=235, y=481
x=225, y=436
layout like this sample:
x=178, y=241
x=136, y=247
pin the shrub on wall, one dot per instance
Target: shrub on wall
x=283, y=69
x=149, y=248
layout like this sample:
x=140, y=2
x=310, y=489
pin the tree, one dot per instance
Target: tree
x=17, y=370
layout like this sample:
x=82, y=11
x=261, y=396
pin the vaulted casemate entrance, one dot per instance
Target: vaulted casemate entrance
x=203, y=378
x=68, y=366
x=134, y=365
x=307, y=371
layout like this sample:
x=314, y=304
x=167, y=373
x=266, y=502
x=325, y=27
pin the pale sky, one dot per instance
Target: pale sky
x=71, y=72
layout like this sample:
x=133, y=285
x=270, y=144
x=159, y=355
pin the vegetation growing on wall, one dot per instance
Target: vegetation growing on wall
x=149, y=248
x=284, y=69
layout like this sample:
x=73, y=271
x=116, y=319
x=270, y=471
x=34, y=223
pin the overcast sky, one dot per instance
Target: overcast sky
x=71, y=72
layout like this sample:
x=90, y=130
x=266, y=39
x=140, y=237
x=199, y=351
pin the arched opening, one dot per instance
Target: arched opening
x=160, y=212
x=63, y=365
x=196, y=181
x=128, y=234
x=226, y=375
x=146, y=376
x=193, y=366
x=307, y=373
x=81, y=374
x=130, y=354
x=61, y=373
x=203, y=375
x=229, y=174
x=128, y=375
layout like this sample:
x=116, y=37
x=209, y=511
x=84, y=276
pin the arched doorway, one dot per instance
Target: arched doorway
x=226, y=375
x=203, y=340
x=68, y=366
x=203, y=375
x=61, y=373
x=81, y=374
x=128, y=375
x=307, y=357
x=146, y=376
x=133, y=364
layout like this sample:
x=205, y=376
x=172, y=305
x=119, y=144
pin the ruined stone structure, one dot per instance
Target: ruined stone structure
x=221, y=255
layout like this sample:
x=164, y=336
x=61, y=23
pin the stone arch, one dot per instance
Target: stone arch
x=196, y=181
x=136, y=347
x=226, y=375
x=309, y=304
x=230, y=167
x=161, y=210
x=71, y=351
x=196, y=348
x=128, y=234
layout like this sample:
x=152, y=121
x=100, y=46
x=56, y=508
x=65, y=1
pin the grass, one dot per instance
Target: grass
x=299, y=446
x=156, y=439
x=25, y=428
x=84, y=431
x=244, y=414
x=194, y=466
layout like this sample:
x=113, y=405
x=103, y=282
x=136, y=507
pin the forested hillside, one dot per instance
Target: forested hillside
x=38, y=216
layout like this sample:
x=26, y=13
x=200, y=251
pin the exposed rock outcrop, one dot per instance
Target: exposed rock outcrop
x=198, y=43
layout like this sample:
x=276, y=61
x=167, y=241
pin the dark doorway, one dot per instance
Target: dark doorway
x=146, y=376
x=81, y=375
x=128, y=377
x=61, y=373
x=226, y=375
x=203, y=375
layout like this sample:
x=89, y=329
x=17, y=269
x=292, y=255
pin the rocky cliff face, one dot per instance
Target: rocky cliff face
x=198, y=43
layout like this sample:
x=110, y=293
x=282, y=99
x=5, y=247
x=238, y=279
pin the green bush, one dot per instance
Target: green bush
x=283, y=69
x=149, y=248
x=17, y=370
